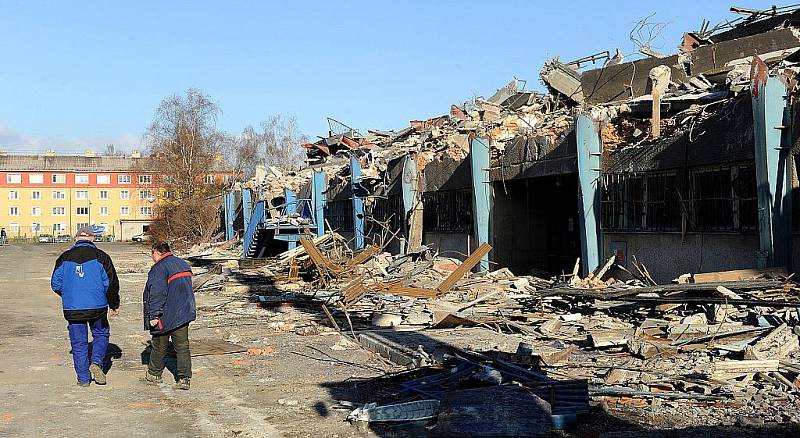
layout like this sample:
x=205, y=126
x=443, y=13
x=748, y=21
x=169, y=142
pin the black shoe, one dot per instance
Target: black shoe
x=83, y=384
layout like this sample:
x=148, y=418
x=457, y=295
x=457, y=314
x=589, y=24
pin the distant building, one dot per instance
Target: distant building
x=56, y=195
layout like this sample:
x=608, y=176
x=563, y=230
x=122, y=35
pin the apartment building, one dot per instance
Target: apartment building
x=56, y=195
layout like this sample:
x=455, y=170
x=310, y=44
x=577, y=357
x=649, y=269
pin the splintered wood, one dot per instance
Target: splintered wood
x=465, y=267
x=320, y=261
x=353, y=291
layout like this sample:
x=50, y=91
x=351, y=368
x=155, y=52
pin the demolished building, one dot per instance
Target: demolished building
x=684, y=162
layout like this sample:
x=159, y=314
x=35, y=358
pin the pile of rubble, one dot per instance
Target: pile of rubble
x=727, y=342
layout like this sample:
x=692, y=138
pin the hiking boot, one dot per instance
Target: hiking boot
x=97, y=374
x=150, y=378
x=83, y=384
x=183, y=383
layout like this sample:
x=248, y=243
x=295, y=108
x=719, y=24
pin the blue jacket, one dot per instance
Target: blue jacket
x=86, y=280
x=168, y=295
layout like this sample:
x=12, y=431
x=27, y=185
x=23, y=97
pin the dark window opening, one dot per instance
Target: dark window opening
x=339, y=214
x=712, y=197
x=447, y=211
x=388, y=211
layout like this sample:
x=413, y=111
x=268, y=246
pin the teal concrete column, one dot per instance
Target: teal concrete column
x=230, y=214
x=318, y=187
x=290, y=208
x=587, y=136
x=247, y=206
x=358, y=203
x=481, y=193
x=409, y=187
x=771, y=128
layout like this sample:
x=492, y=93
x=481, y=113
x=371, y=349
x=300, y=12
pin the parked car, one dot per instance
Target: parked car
x=141, y=237
x=46, y=238
x=63, y=238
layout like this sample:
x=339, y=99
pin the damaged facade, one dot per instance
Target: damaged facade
x=576, y=210
x=666, y=161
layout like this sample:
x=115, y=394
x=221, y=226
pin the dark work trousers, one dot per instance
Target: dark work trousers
x=180, y=340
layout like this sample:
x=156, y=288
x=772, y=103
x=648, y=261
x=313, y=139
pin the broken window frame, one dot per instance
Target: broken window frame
x=447, y=211
x=387, y=210
x=339, y=214
x=721, y=208
x=640, y=202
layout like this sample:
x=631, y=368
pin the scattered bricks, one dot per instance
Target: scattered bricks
x=266, y=351
x=242, y=362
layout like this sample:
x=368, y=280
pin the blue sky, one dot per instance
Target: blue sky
x=78, y=75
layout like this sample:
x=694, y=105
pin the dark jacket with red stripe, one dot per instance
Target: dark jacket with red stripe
x=168, y=295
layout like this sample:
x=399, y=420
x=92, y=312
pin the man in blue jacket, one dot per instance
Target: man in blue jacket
x=86, y=280
x=168, y=309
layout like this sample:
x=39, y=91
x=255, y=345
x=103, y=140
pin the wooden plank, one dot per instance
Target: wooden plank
x=414, y=292
x=737, y=275
x=468, y=264
x=316, y=256
x=354, y=291
x=330, y=318
x=363, y=256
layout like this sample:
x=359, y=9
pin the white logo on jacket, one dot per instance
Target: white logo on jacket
x=79, y=271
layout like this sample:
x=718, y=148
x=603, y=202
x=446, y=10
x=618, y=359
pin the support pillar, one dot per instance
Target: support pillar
x=247, y=206
x=771, y=128
x=587, y=135
x=230, y=214
x=290, y=207
x=409, y=186
x=481, y=194
x=358, y=203
x=318, y=199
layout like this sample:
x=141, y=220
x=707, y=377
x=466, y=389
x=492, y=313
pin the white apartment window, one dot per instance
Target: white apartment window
x=82, y=211
x=103, y=194
x=123, y=211
x=123, y=179
x=36, y=194
x=36, y=211
x=103, y=211
x=59, y=195
x=13, y=211
x=13, y=194
x=80, y=225
x=81, y=194
x=13, y=228
x=36, y=178
x=59, y=178
x=145, y=194
x=145, y=179
x=124, y=194
x=36, y=227
x=210, y=179
x=59, y=211
x=13, y=178
x=226, y=179
x=104, y=179
x=82, y=178
x=59, y=228
x=145, y=211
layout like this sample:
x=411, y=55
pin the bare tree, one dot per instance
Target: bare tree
x=283, y=143
x=184, y=146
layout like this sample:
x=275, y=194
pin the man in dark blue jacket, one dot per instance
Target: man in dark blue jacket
x=86, y=280
x=168, y=309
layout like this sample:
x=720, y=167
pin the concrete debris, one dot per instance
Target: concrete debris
x=708, y=346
